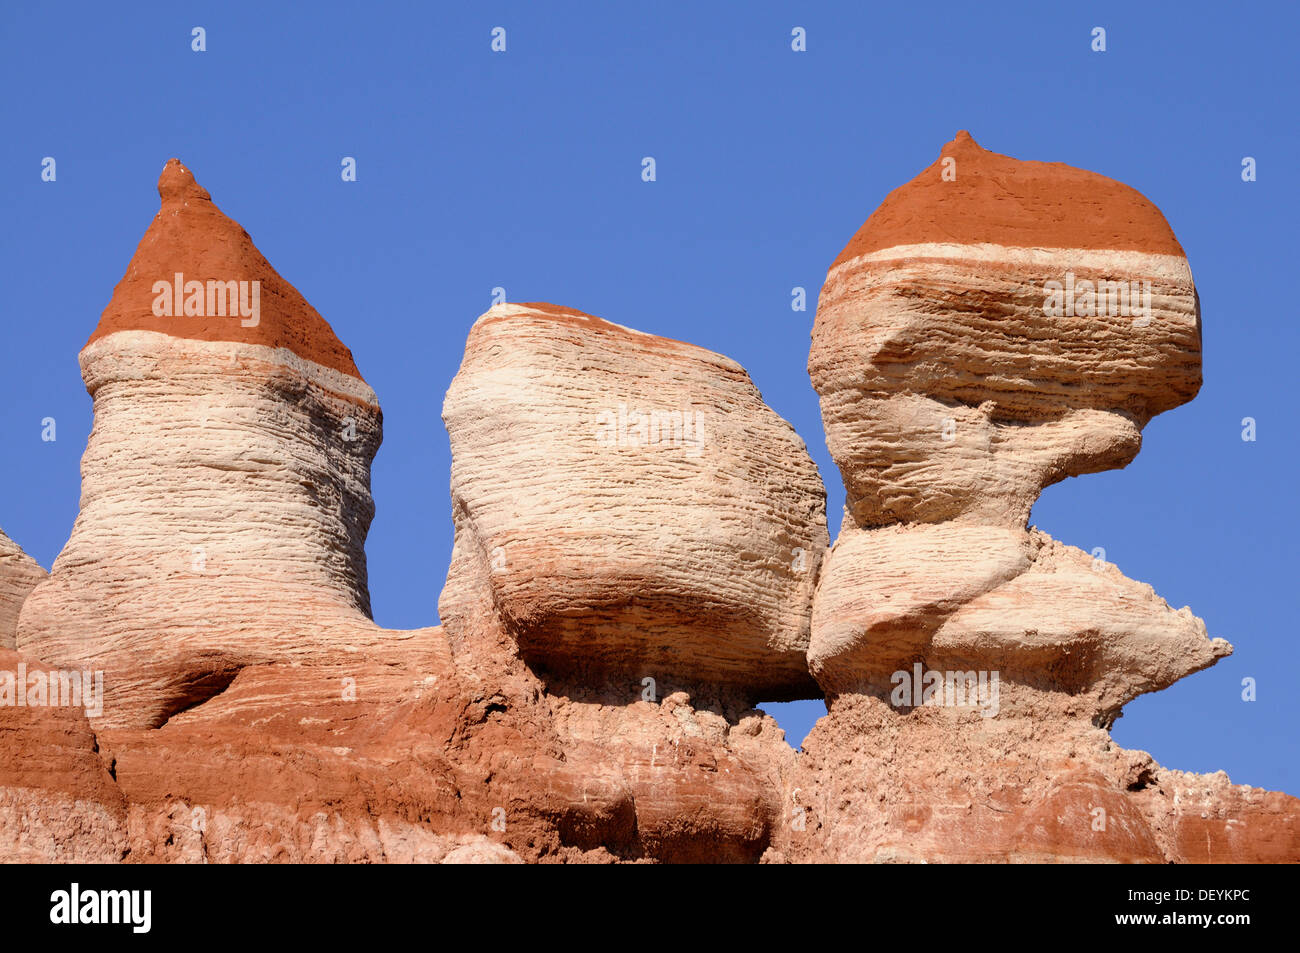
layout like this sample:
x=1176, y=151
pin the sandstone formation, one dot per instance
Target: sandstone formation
x=637, y=542
x=229, y=467
x=19, y=575
x=58, y=801
x=945, y=785
x=952, y=393
x=1049, y=617
x=947, y=391
x=634, y=506
x=640, y=558
x=216, y=577
x=965, y=361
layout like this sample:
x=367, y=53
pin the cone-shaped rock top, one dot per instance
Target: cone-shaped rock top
x=190, y=237
x=970, y=195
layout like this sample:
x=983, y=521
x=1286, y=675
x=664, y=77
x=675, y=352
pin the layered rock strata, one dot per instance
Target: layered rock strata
x=633, y=505
x=637, y=540
x=19, y=575
x=228, y=467
x=216, y=579
x=639, y=559
x=995, y=327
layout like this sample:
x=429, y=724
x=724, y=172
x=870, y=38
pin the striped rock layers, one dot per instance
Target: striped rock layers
x=228, y=468
x=947, y=785
x=965, y=360
x=639, y=558
x=994, y=327
x=19, y=575
x=216, y=577
x=58, y=800
x=637, y=541
x=956, y=381
x=1059, y=625
x=633, y=506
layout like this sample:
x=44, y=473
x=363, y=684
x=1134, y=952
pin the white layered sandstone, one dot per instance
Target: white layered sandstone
x=632, y=504
x=932, y=359
x=971, y=347
x=19, y=575
x=219, y=475
x=966, y=598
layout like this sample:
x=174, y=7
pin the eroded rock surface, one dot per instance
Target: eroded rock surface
x=639, y=560
x=633, y=505
x=637, y=541
x=216, y=579
x=58, y=799
x=965, y=359
x=19, y=575
x=948, y=391
x=228, y=468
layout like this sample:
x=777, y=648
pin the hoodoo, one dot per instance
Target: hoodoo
x=632, y=504
x=637, y=540
x=953, y=389
x=228, y=468
x=640, y=557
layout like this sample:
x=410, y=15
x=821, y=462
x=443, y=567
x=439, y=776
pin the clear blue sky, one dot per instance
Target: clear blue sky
x=522, y=170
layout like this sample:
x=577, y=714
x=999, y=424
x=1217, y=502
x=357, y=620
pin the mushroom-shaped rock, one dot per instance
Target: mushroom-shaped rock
x=952, y=394
x=995, y=327
x=632, y=504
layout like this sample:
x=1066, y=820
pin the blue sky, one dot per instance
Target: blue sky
x=522, y=170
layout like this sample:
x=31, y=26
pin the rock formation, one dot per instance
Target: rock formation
x=640, y=558
x=216, y=578
x=19, y=575
x=965, y=359
x=634, y=506
x=229, y=467
x=951, y=387
x=994, y=327
x=58, y=800
x=637, y=541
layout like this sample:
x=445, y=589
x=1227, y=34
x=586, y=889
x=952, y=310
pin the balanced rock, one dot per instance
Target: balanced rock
x=639, y=558
x=953, y=391
x=637, y=541
x=995, y=327
x=19, y=575
x=228, y=468
x=634, y=506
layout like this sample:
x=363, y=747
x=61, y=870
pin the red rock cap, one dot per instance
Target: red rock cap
x=192, y=237
x=1004, y=201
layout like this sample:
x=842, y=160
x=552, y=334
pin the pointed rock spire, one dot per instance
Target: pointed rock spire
x=229, y=467
x=196, y=274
